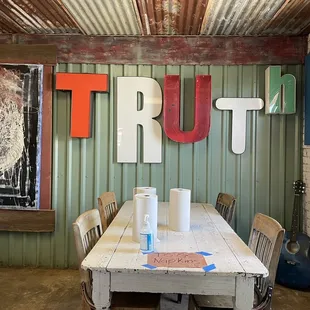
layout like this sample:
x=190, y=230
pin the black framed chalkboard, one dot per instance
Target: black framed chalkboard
x=20, y=135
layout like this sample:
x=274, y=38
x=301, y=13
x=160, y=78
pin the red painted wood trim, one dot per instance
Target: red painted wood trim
x=177, y=50
x=46, y=147
x=172, y=109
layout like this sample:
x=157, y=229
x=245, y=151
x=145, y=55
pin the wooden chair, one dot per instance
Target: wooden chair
x=225, y=205
x=265, y=241
x=87, y=231
x=107, y=206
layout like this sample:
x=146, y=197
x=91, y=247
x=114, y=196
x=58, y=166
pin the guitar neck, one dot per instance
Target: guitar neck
x=295, y=218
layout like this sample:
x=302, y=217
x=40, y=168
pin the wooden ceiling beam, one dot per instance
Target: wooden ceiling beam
x=171, y=50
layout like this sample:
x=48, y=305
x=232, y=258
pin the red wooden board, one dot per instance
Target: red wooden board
x=46, y=148
x=173, y=50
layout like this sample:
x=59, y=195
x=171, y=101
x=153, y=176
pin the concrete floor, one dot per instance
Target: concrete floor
x=46, y=289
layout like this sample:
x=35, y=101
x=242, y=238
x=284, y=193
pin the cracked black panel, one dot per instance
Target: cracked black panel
x=20, y=135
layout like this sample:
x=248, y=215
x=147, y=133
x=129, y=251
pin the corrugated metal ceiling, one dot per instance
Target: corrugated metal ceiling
x=156, y=17
x=172, y=16
x=108, y=17
x=46, y=17
x=292, y=18
x=238, y=17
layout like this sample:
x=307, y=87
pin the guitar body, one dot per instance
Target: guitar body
x=294, y=269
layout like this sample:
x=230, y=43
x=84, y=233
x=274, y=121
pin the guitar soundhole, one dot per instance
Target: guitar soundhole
x=292, y=247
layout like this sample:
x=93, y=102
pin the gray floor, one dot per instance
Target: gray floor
x=50, y=289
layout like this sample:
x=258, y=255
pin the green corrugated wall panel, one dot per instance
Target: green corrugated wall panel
x=261, y=178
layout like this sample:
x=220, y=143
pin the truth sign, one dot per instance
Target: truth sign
x=280, y=97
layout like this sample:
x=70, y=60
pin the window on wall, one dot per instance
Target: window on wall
x=26, y=82
x=20, y=135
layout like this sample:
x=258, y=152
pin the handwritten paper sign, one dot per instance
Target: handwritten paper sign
x=176, y=260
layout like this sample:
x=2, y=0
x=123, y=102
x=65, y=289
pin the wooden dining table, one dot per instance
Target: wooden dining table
x=229, y=267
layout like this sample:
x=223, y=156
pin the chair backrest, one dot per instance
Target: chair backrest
x=87, y=231
x=107, y=206
x=266, y=241
x=225, y=205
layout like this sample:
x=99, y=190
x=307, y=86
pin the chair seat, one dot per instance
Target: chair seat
x=141, y=301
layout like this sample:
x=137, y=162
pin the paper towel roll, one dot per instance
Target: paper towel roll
x=180, y=209
x=144, y=190
x=144, y=204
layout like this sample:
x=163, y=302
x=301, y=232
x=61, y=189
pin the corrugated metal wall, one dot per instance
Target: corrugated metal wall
x=261, y=178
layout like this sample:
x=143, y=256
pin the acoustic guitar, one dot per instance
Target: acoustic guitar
x=294, y=264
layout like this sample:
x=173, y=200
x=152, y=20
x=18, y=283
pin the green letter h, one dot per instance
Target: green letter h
x=277, y=101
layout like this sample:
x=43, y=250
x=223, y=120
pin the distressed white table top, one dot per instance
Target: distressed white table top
x=116, y=252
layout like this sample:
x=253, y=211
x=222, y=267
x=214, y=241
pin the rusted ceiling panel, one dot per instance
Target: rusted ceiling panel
x=156, y=17
x=25, y=16
x=108, y=17
x=163, y=17
x=292, y=18
x=238, y=17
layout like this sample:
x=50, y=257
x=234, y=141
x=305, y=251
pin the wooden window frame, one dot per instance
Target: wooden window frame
x=42, y=219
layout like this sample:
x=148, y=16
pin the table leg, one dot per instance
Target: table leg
x=244, y=293
x=101, y=290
